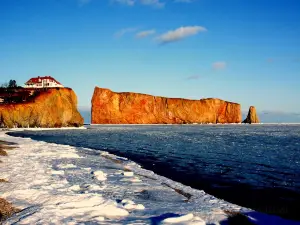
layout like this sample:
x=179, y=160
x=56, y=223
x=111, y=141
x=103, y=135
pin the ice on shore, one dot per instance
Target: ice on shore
x=75, y=188
x=131, y=179
x=61, y=184
x=179, y=219
x=130, y=205
x=127, y=174
x=100, y=175
x=66, y=166
x=58, y=172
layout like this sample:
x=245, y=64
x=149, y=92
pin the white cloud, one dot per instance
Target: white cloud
x=219, y=65
x=183, y=1
x=122, y=32
x=195, y=77
x=83, y=2
x=153, y=3
x=145, y=33
x=180, y=33
x=125, y=2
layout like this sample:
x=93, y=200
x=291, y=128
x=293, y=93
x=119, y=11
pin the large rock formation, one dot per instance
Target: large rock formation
x=252, y=116
x=131, y=108
x=51, y=108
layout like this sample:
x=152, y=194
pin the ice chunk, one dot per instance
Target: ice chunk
x=179, y=219
x=58, y=172
x=140, y=207
x=130, y=205
x=74, y=188
x=100, y=175
x=69, y=155
x=127, y=174
x=66, y=166
x=131, y=179
x=99, y=218
x=135, y=179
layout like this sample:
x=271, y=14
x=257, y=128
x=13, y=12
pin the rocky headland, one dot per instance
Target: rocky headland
x=53, y=107
x=109, y=107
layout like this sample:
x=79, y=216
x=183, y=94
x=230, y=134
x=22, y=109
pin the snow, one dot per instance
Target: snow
x=45, y=128
x=130, y=205
x=61, y=184
x=128, y=174
x=100, y=175
x=58, y=172
x=66, y=166
x=179, y=219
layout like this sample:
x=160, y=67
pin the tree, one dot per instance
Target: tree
x=4, y=85
x=12, y=84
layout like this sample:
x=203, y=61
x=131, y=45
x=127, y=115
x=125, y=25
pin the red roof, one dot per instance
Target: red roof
x=36, y=80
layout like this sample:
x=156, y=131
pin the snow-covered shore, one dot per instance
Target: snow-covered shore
x=42, y=128
x=61, y=184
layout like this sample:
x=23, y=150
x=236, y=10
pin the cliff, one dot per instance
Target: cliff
x=132, y=108
x=252, y=117
x=50, y=108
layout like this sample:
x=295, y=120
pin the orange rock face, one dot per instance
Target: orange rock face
x=132, y=108
x=252, y=117
x=52, y=108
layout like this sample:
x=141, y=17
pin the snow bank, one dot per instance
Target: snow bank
x=100, y=175
x=45, y=128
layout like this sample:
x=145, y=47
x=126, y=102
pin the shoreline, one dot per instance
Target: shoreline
x=6, y=208
x=41, y=128
x=54, y=167
x=206, y=124
x=85, y=126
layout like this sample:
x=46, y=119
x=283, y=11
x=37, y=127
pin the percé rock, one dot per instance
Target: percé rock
x=55, y=107
x=109, y=107
x=252, y=116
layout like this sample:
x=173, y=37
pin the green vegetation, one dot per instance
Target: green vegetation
x=10, y=84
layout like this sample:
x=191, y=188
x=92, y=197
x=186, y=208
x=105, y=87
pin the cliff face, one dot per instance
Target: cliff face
x=131, y=108
x=252, y=116
x=51, y=108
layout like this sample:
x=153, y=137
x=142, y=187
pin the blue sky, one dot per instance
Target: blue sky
x=246, y=51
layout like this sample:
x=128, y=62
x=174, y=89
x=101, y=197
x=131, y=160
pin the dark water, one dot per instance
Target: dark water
x=253, y=166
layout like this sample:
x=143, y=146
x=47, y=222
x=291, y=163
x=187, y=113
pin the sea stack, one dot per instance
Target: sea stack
x=109, y=107
x=252, y=116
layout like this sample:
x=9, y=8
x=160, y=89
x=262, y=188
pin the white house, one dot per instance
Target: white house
x=42, y=82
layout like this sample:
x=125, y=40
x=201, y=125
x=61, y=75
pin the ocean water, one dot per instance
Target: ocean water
x=255, y=166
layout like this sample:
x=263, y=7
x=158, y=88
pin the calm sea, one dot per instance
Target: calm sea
x=256, y=166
